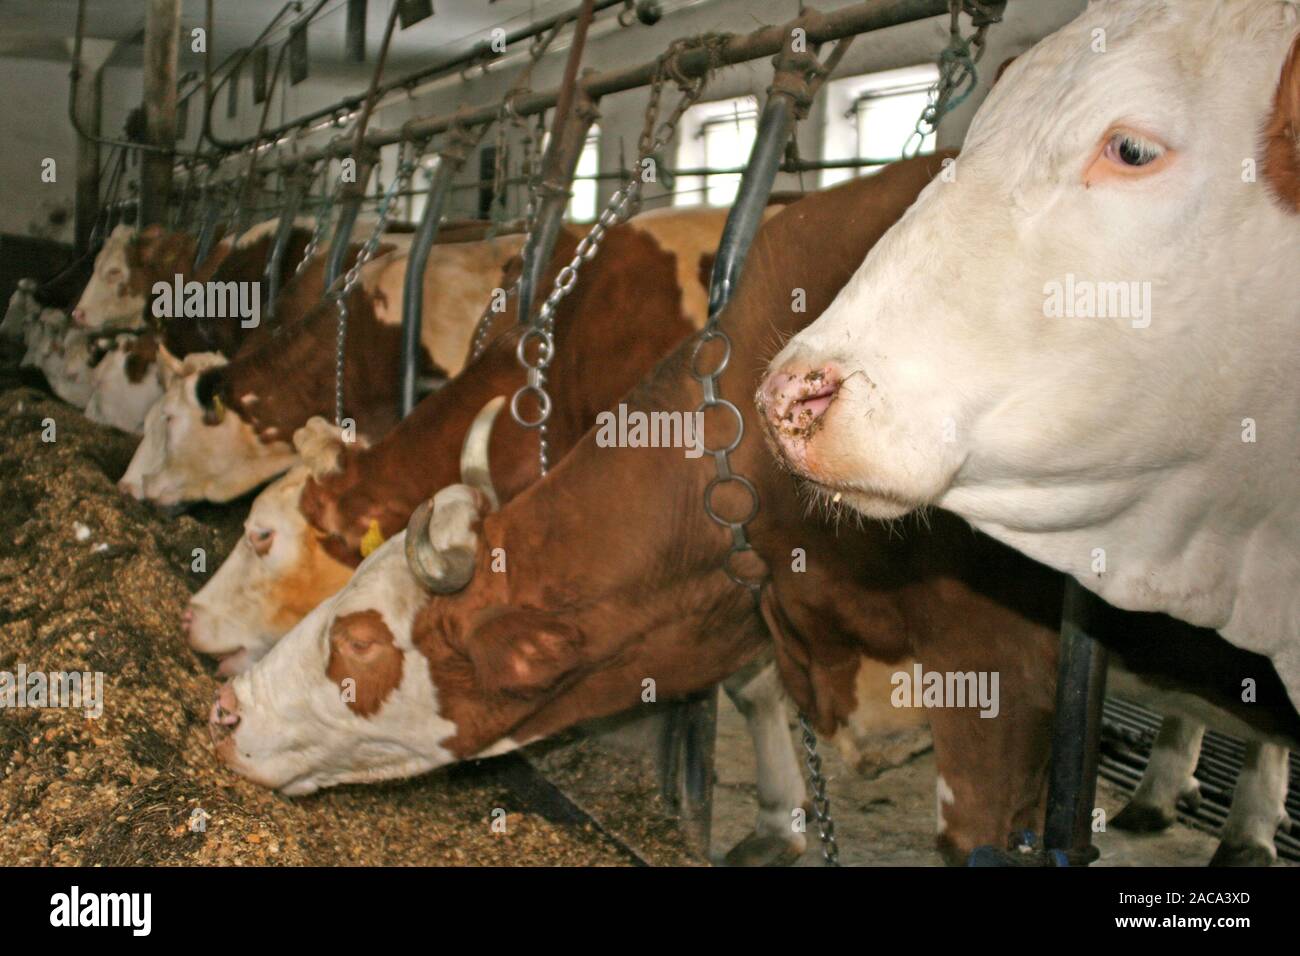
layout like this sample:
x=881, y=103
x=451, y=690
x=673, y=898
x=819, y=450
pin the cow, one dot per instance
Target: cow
x=126, y=383
x=120, y=293
x=613, y=575
x=218, y=434
x=118, y=289
x=23, y=309
x=309, y=529
x=1084, y=339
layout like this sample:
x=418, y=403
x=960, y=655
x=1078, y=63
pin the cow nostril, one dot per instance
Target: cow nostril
x=797, y=401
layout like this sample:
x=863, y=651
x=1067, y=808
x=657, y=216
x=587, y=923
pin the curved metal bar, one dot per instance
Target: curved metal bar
x=413, y=285
x=298, y=184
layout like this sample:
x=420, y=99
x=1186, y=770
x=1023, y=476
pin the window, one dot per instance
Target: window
x=715, y=135
x=873, y=117
x=582, y=207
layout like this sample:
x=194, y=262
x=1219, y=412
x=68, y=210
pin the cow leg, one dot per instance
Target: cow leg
x=1168, y=778
x=1258, y=808
x=757, y=694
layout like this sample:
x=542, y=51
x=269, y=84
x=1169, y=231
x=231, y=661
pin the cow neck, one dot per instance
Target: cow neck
x=633, y=277
x=291, y=372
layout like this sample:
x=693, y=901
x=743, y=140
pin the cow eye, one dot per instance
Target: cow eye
x=261, y=539
x=1128, y=149
x=114, y=273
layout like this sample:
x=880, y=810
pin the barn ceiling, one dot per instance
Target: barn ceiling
x=41, y=28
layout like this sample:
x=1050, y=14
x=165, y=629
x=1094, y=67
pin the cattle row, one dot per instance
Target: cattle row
x=412, y=592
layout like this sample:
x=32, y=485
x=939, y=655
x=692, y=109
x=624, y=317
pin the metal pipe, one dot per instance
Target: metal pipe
x=349, y=207
x=480, y=52
x=449, y=163
x=210, y=95
x=574, y=114
x=746, y=215
x=354, y=193
x=298, y=184
x=766, y=41
x=1076, y=731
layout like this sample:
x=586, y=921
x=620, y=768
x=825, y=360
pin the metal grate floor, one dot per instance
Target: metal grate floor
x=1127, y=733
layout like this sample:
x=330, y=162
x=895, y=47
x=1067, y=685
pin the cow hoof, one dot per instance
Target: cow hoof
x=1143, y=818
x=759, y=849
x=1243, y=854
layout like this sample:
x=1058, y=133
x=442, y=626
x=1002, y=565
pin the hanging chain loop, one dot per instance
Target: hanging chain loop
x=621, y=205
x=957, y=73
x=323, y=216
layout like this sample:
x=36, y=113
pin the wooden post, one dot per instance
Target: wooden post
x=162, y=36
x=94, y=53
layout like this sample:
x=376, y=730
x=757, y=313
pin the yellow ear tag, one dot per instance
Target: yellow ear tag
x=372, y=539
x=219, y=407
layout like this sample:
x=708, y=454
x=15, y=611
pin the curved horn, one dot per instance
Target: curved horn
x=475, y=469
x=441, y=540
x=441, y=537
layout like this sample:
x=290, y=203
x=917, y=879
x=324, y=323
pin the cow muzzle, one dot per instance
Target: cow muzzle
x=794, y=403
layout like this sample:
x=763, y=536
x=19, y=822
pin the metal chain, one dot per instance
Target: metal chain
x=957, y=74
x=323, y=215
x=344, y=285
x=622, y=204
x=821, y=801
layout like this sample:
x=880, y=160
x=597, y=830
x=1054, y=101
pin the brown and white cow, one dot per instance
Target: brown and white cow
x=559, y=606
x=217, y=435
x=309, y=529
x=126, y=383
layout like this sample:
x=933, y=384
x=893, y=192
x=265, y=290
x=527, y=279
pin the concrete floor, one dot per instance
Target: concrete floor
x=886, y=821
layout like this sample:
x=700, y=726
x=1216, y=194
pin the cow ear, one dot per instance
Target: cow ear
x=319, y=444
x=1282, y=134
x=522, y=652
x=170, y=366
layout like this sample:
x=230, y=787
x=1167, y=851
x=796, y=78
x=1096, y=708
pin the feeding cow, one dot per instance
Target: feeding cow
x=613, y=575
x=1086, y=342
x=126, y=383
x=23, y=309
x=308, y=530
x=221, y=433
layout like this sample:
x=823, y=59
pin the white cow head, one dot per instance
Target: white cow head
x=279, y=570
x=125, y=385
x=1085, y=338
x=111, y=297
x=191, y=452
